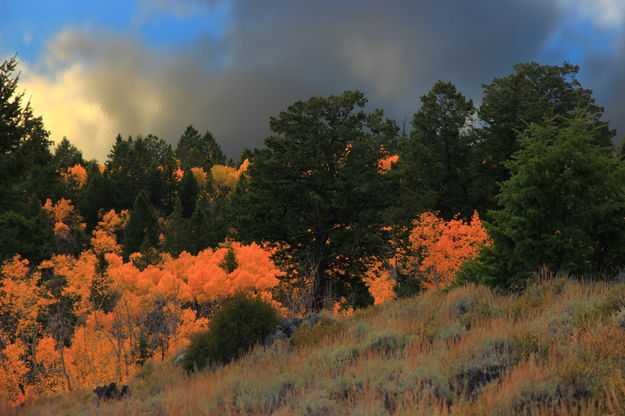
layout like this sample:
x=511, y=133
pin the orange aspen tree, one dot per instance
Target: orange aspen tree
x=225, y=178
x=21, y=304
x=442, y=246
x=76, y=173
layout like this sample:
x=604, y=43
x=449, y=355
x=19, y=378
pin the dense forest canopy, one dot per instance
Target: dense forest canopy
x=106, y=265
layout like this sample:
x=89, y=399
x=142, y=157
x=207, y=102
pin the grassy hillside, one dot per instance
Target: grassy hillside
x=558, y=349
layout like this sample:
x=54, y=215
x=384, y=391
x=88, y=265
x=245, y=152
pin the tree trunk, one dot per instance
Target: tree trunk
x=64, y=367
x=322, y=290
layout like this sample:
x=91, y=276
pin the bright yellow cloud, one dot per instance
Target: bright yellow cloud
x=62, y=100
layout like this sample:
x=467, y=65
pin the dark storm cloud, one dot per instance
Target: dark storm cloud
x=608, y=74
x=275, y=52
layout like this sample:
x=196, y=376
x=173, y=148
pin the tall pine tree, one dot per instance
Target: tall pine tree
x=177, y=235
x=27, y=174
x=199, y=151
x=563, y=207
x=188, y=194
x=317, y=193
x=435, y=158
x=532, y=94
x=142, y=227
x=201, y=229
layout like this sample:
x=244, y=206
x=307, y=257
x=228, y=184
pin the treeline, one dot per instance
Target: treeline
x=108, y=265
x=316, y=190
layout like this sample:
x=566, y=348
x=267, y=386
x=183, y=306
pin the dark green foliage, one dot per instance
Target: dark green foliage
x=141, y=163
x=224, y=213
x=67, y=155
x=434, y=160
x=532, y=94
x=316, y=188
x=176, y=231
x=406, y=286
x=246, y=153
x=201, y=235
x=562, y=208
x=102, y=296
x=230, y=261
x=27, y=175
x=74, y=243
x=190, y=234
x=189, y=191
x=241, y=323
x=143, y=349
x=149, y=255
x=142, y=228
x=23, y=139
x=94, y=196
x=28, y=234
x=619, y=150
x=26, y=170
x=194, y=150
x=200, y=351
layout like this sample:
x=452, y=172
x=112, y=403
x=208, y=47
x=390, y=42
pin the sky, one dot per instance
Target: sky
x=96, y=69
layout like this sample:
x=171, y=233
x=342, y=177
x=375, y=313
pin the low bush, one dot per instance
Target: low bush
x=535, y=389
x=240, y=324
x=326, y=327
x=484, y=362
x=385, y=342
x=452, y=333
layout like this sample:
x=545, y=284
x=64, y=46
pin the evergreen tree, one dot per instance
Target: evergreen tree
x=531, y=94
x=26, y=170
x=200, y=229
x=141, y=163
x=316, y=192
x=28, y=234
x=177, y=236
x=230, y=263
x=563, y=207
x=67, y=155
x=246, y=153
x=142, y=228
x=27, y=175
x=188, y=194
x=195, y=150
x=619, y=150
x=435, y=158
x=95, y=195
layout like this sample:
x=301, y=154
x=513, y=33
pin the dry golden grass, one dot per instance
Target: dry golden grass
x=558, y=349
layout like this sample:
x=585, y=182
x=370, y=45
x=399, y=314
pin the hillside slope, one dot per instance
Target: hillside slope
x=557, y=349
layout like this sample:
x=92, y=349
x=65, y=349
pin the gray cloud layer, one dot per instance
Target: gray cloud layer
x=278, y=51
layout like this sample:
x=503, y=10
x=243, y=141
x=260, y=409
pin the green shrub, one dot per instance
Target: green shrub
x=339, y=357
x=315, y=403
x=361, y=329
x=612, y=302
x=385, y=342
x=240, y=324
x=568, y=383
x=463, y=305
x=262, y=398
x=344, y=386
x=452, y=333
x=432, y=381
x=528, y=342
x=198, y=354
x=483, y=363
x=326, y=327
